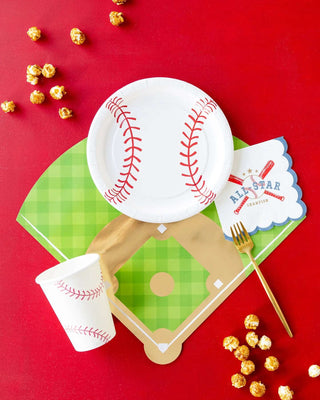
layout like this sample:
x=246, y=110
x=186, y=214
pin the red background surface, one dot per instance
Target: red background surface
x=260, y=62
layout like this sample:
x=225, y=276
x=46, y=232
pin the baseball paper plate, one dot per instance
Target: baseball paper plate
x=160, y=150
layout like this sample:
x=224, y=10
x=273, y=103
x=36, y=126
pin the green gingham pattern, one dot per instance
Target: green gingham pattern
x=64, y=211
x=189, y=289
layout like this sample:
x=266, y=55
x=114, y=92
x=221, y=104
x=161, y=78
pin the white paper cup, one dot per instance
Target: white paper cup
x=76, y=292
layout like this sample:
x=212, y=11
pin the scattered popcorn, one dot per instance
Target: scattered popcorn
x=32, y=79
x=65, y=113
x=265, y=343
x=285, y=393
x=37, y=97
x=57, y=92
x=238, y=381
x=271, y=363
x=230, y=343
x=48, y=71
x=251, y=322
x=34, y=33
x=8, y=106
x=314, y=371
x=242, y=352
x=77, y=36
x=116, y=18
x=119, y=2
x=247, y=367
x=34, y=70
x=252, y=339
x=257, y=389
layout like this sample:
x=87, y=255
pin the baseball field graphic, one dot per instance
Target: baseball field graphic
x=201, y=279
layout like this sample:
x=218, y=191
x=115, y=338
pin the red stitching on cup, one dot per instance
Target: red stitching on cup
x=124, y=119
x=195, y=181
x=80, y=294
x=86, y=331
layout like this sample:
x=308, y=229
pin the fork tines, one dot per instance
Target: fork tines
x=239, y=233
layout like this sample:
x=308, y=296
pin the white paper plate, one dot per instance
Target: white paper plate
x=160, y=150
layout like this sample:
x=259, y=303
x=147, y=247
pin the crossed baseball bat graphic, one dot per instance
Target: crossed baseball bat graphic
x=264, y=172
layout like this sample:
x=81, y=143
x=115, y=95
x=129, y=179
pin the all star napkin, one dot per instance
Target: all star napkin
x=262, y=189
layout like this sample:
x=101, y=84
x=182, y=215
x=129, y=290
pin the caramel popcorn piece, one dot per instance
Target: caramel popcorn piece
x=265, y=343
x=48, y=71
x=116, y=18
x=119, y=2
x=247, y=367
x=65, y=113
x=285, y=393
x=34, y=33
x=34, y=70
x=33, y=73
x=271, y=363
x=242, y=352
x=77, y=36
x=32, y=79
x=238, y=381
x=251, y=322
x=314, y=371
x=257, y=389
x=230, y=343
x=252, y=339
x=57, y=92
x=8, y=106
x=37, y=97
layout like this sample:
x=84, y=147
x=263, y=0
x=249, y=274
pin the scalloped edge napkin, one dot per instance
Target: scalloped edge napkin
x=262, y=189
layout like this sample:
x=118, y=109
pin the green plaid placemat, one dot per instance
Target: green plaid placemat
x=189, y=284
x=64, y=211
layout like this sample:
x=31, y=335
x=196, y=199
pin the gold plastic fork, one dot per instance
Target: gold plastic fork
x=244, y=244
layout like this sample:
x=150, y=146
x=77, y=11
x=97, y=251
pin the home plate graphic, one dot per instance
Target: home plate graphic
x=262, y=189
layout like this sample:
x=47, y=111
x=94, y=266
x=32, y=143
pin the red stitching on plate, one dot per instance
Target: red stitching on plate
x=125, y=120
x=195, y=181
x=80, y=294
x=86, y=331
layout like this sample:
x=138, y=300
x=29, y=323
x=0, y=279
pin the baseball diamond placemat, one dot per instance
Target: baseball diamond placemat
x=65, y=212
x=169, y=259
